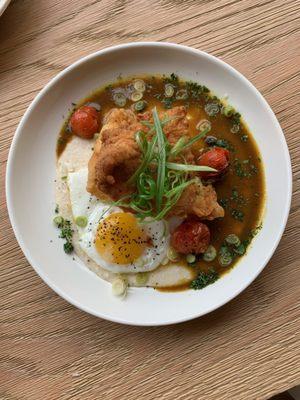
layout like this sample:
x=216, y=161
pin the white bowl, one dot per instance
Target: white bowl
x=3, y=5
x=31, y=172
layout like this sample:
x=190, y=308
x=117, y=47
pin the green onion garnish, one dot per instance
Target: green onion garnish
x=187, y=167
x=182, y=144
x=161, y=159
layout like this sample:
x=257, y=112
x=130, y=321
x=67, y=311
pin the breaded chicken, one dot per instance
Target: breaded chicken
x=176, y=128
x=116, y=155
x=198, y=200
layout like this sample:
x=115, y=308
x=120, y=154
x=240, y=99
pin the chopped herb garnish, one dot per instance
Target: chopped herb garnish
x=244, y=169
x=168, y=102
x=225, y=144
x=236, y=118
x=212, y=109
x=66, y=232
x=237, y=197
x=237, y=214
x=224, y=203
x=204, y=279
x=68, y=247
x=195, y=91
x=173, y=79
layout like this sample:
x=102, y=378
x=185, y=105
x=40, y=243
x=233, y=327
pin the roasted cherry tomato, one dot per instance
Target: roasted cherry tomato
x=85, y=122
x=217, y=158
x=191, y=236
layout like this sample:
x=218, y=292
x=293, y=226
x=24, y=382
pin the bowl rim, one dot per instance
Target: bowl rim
x=3, y=6
x=64, y=72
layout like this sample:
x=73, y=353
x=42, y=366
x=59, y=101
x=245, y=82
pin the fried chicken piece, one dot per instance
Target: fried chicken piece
x=175, y=129
x=116, y=155
x=199, y=200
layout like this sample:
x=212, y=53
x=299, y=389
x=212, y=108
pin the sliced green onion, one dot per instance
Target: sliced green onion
x=141, y=140
x=180, y=188
x=235, y=128
x=169, y=90
x=210, y=254
x=224, y=249
x=190, y=258
x=189, y=167
x=147, y=124
x=141, y=278
x=146, y=186
x=136, y=96
x=168, y=206
x=233, y=239
x=140, y=105
x=147, y=158
x=228, y=111
x=161, y=165
x=211, y=109
x=119, y=99
x=119, y=287
x=189, y=142
x=58, y=220
x=172, y=254
x=178, y=145
x=139, y=85
x=240, y=250
x=81, y=221
x=225, y=259
x=203, y=125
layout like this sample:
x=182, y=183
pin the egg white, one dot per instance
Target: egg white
x=84, y=204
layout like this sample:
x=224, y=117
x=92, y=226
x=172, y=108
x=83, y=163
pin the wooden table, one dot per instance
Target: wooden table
x=248, y=349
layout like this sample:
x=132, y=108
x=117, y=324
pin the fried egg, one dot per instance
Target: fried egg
x=112, y=238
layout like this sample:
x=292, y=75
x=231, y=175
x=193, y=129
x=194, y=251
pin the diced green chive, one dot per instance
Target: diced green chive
x=233, y=239
x=228, y=111
x=190, y=258
x=139, y=85
x=58, y=220
x=140, y=105
x=136, y=96
x=210, y=254
x=81, y=221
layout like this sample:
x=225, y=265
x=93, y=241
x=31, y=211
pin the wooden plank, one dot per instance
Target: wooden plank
x=248, y=349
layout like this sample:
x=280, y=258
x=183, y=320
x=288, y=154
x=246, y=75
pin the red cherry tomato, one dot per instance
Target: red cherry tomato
x=85, y=122
x=191, y=236
x=217, y=158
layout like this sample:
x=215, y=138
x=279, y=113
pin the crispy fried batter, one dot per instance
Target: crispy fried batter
x=199, y=200
x=176, y=128
x=116, y=155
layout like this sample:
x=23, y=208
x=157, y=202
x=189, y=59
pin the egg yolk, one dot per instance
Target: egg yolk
x=119, y=239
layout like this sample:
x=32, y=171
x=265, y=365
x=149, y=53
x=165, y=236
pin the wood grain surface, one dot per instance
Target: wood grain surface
x=248, y=349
